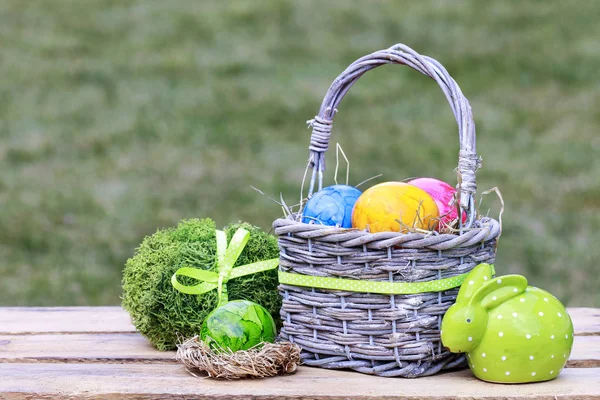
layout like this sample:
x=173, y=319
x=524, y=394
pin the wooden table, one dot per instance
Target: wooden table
x=96, y=353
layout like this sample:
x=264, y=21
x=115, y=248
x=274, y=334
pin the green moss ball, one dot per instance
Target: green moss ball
x=163, y=314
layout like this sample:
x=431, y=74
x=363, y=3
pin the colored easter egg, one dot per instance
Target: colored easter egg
x=238, y=325
x=511, y=332
x=381, y=206
x=443, y=195
x=331, y=206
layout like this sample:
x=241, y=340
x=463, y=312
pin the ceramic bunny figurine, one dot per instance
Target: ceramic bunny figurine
x=511, y=332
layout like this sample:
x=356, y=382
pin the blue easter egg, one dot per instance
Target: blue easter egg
x=331, y=206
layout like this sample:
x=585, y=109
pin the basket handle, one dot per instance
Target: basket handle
x=468, y=161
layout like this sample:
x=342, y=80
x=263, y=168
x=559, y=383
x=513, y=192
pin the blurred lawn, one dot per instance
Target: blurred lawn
x=119, y=117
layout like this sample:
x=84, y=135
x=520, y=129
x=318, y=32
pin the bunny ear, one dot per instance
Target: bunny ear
x=499, y=290
x=478, y=277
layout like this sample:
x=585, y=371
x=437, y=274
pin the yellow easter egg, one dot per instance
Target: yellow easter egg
x=380, y=208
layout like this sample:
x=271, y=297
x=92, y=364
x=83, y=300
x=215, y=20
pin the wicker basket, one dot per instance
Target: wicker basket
x=386, y=335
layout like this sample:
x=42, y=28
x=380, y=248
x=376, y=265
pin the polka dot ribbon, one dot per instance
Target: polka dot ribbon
x=226, y=258
x=379, y=287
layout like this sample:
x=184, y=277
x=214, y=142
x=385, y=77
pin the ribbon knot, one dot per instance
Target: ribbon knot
x=227, y=256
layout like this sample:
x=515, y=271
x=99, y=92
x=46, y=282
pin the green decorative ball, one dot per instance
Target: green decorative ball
x=238, y=325
x=163, y=314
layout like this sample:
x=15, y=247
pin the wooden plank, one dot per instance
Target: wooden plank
x=585, y=353
x=97, y=381
x=586, y=321
x=77, y=348
x=31, y=320
x=24, y=320
x=134, y=348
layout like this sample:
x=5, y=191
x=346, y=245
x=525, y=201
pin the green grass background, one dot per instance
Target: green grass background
x=120, y=117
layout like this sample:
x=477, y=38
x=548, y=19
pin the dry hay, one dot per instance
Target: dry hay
x=262, y=361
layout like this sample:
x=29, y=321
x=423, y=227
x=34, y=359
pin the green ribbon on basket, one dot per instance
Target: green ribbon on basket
x=376, y=287
x=227, y=255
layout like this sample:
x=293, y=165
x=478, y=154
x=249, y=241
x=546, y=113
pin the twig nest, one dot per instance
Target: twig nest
x=261, y=361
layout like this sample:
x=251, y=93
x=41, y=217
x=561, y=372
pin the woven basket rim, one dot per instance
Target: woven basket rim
x=486, y=229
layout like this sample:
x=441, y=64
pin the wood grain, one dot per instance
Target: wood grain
x=172, y=382
x=31, y=320
x=78, y=348
x=586, y=321
x=70, y=353
x=134, y=348
x=24, y=320
x=585, y=353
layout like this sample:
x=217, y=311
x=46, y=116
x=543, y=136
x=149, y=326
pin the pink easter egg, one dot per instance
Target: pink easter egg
x=443, y=195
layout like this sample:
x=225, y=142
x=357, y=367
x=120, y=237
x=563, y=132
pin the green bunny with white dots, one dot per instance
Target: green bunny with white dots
x=511, y=332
